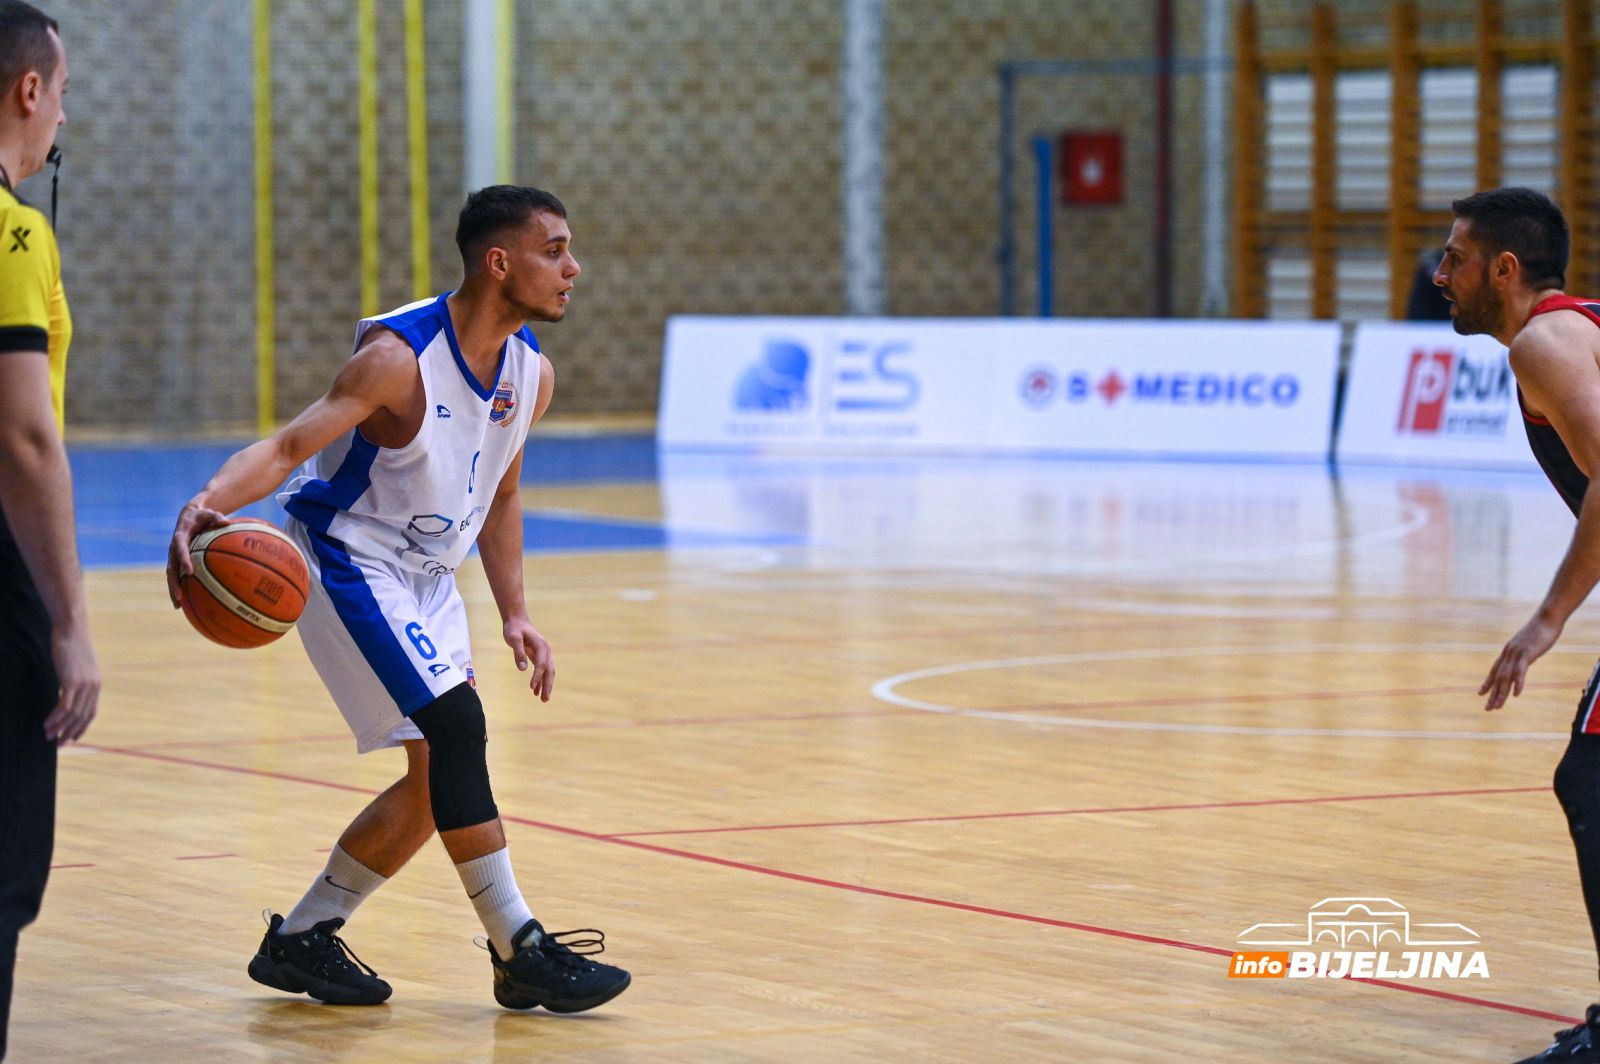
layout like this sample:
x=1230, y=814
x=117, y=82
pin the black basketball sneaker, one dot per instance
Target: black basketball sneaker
x=1575, y=1045
x=556, y=974
x=316, y=962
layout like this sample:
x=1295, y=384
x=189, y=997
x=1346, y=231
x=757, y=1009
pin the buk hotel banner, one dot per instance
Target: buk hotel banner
x=1227, y=389
x=1423, y=395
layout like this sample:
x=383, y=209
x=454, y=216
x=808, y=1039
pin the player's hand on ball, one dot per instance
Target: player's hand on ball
x=192, y=520
x=1511, y=667
x=532, y=650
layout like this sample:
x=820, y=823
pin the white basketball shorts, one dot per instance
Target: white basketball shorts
x=386, y=642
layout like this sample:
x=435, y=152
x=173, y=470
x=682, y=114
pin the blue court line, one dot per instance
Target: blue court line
x=186, y=466
x=128, y=497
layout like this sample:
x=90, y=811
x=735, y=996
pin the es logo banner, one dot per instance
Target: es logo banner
x=850, y=376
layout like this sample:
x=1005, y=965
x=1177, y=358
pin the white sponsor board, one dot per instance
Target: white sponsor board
x=1422, y=395
x=1147, y=388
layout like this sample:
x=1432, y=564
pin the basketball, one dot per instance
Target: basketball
x=249, y=584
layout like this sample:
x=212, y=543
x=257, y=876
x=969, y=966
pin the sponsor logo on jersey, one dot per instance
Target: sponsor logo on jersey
x=430, y=524
x=424, y=527
x=19, y=238
x=472, y=678
x=503, y=409
x=1451, y=393
x=438, y=668
x=440, y=410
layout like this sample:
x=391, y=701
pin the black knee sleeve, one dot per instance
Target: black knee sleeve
x=458, y=771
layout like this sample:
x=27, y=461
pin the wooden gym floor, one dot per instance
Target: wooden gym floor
x=936, y=760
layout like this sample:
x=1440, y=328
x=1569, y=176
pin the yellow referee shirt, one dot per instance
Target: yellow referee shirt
x=33, y=305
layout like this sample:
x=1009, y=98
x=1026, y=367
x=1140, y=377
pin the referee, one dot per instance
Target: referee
x=49, y=680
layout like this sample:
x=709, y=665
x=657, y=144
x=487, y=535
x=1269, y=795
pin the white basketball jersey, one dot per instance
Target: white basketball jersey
x=421, y=506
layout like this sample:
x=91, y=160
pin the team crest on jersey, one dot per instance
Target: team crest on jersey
x=503, y=410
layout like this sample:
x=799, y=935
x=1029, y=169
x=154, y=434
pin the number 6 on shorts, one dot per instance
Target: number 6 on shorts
x=420, y=641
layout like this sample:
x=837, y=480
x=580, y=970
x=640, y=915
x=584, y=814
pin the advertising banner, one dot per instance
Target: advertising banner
x=1145, y=388
x=1419, y=394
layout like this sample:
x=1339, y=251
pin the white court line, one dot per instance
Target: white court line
x=884, y=690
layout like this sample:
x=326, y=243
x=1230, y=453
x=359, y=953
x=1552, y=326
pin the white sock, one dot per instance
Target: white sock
x=492, y=886
x=343, y=884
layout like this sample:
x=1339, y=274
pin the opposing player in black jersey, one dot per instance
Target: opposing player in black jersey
x=1503, y=270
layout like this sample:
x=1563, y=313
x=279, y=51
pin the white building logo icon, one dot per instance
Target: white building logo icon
x=1358, y=938
x=1358, y=923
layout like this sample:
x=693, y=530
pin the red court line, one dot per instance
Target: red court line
x=887, y=711
x=179, y=744
x=263, y=773
x=56, y=866
x=579, y=725
x=856, y=888
x=1070, y=925
x=1174, y=807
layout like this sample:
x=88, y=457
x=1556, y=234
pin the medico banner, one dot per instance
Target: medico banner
x=1094, y=387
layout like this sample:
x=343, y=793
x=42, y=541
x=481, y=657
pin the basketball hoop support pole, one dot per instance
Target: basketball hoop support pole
x=1043, y=159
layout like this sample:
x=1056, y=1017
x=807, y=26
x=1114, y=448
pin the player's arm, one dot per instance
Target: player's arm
x=1555, y=360
x=381, y=375
x=500, y=549
x=36, y=491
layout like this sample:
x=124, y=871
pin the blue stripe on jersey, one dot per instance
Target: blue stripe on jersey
x=417, y=327
x=363, y=618
x=527, y=337
x=455, y=350
x=317, y=502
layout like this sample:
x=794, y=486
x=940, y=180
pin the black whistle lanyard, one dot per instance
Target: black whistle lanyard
x=54, y=158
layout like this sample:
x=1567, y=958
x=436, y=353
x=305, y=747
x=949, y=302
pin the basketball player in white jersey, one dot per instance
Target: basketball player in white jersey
x=414, y=454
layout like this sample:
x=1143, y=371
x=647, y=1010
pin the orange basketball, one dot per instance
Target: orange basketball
x=249, y=584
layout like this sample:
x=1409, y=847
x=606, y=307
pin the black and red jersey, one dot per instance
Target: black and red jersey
x=1548, y=448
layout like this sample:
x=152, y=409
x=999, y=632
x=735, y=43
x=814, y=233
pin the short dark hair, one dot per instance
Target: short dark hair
x=1525, y=223
x=25, y=42
x=490, y=211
